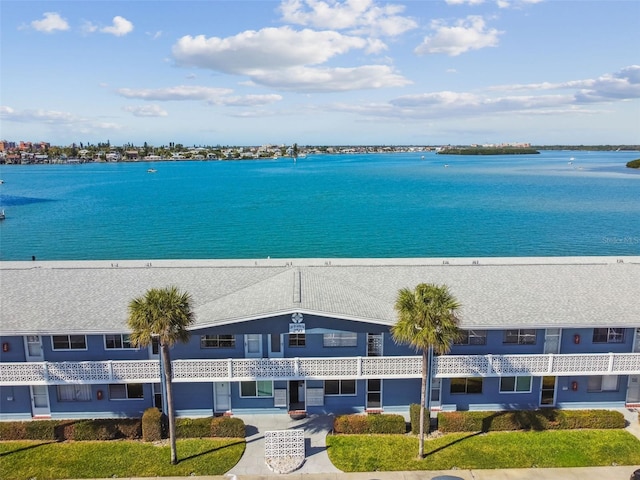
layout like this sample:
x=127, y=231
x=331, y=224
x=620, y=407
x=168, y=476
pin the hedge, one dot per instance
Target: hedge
x=547, y=419
x=229, y=427
x=151, y=428
x=361, y=424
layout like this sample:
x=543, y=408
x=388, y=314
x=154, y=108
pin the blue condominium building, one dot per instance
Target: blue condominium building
x=276, y=335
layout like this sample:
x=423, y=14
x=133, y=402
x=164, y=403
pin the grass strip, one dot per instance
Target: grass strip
x=21, y=460
x=547, y=449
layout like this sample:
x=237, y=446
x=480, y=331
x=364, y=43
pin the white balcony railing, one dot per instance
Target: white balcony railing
x=447, y=366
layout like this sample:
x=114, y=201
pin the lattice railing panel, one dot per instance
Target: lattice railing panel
x=626, y=363
x=328, y=367
x=200, y=369
x=264, y=368
x=580, y=363
x=460, y=365
x=22, y=373
x=132, y=370
x=391, y=366
x=518, y=364
x=76, y=372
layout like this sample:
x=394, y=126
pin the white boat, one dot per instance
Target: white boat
x=2, y=216
x=152, y=170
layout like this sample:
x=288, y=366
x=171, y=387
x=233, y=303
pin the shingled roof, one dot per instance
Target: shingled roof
x=92, y=296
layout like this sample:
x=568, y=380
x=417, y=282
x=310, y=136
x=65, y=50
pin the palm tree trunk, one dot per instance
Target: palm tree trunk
x=423, y=401
x=166, y=361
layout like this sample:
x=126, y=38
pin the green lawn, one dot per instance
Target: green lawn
x=41, y=460
x=575, y=448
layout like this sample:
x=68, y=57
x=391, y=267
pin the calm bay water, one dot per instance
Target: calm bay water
x=325, y=206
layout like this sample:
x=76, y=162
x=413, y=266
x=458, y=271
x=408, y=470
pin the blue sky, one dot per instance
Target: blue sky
x=320, y=72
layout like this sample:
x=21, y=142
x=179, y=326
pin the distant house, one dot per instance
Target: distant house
x=277, y=335
x=131, y=155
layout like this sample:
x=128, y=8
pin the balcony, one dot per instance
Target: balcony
x=240, y=369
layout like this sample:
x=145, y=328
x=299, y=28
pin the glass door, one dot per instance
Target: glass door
x=548, y=392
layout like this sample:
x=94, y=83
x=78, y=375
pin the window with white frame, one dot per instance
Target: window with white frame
x=119, y=341
x=259, y=388
x=125, y=391
x=472, y=337
x=465, y=385
x=339, y=387
x=604, y=383
x=69, y=342
x=515, y=384
x=217, y=341
x=608, y=335
x=526, y=336
x=74, y=393
x=343, y=339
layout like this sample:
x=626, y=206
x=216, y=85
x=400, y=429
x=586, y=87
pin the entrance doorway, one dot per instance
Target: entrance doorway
x=296, y=395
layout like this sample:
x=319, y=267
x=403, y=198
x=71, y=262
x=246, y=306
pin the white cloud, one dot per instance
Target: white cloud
x=361, y=16
x=154, y=35
x=180, y=92
x=465, y=2
x=303, y=79
x=213, y=96
x=120, y=27
x=467, y=34
x=282, y=58
x=146, y=110
x=51, y=22
x=579, y=97
x=56, y=119
x=266, y=49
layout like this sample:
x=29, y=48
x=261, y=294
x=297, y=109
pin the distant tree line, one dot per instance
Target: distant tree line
x=487, y=151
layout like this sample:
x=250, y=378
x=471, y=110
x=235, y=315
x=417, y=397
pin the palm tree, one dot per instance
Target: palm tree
x=427, y=321
x=164, y=314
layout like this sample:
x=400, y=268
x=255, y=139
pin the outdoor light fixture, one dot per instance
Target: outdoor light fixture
x=99, y=394
x=5, y=347
x=576, y=339
x=574, y=386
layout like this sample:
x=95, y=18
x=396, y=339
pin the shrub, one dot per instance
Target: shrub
x=378, y=423
x=94, y=430
x=152, y=425
x=228, y=427
x=193, y=427
x=13, y=431
x=547, y=419
x=414, y=415
x=634, y=163
x=41, y=430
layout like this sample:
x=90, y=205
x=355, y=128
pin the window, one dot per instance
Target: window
x=339, y=387
x=217, y=341
x=118, y=341
x=125, y=391
x=260, y=388
x=606, y=383
x=466, y=385
x=608, y=335
x=69, y=342
x=472, y=337
x=74, y=393
x=297, y=340
x=347, y=339
x=515, y=384
x=520, y=337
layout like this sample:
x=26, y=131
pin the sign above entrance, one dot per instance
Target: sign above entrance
x=297, y=326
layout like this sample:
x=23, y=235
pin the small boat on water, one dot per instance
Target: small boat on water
x=2, y=215
x=152, y=170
